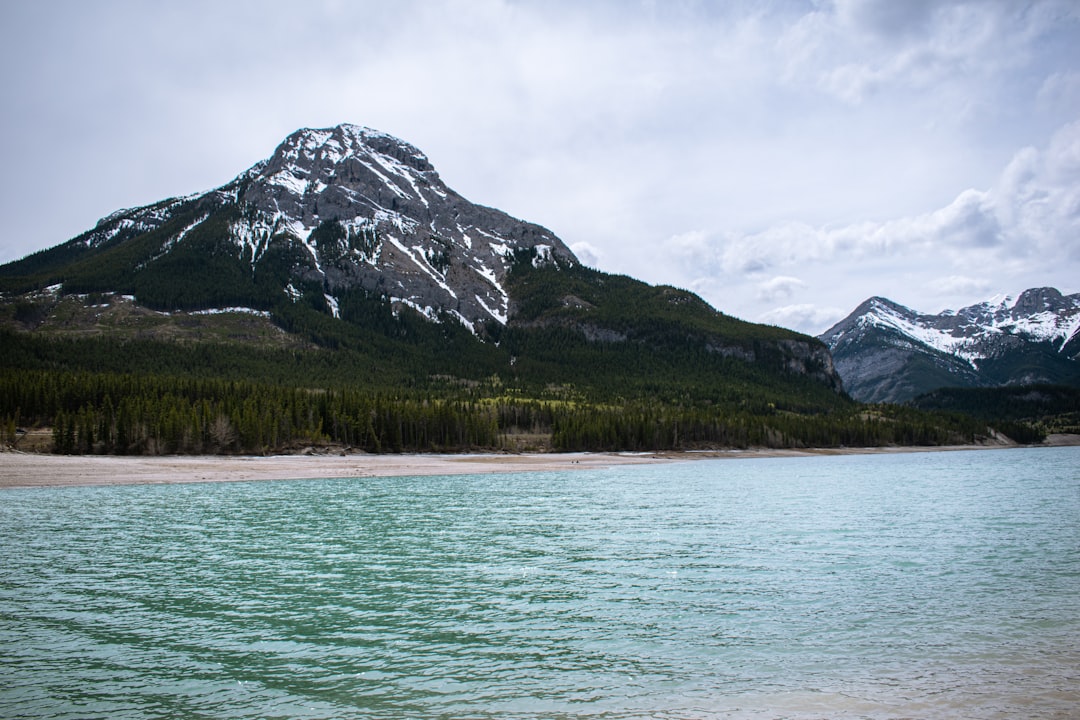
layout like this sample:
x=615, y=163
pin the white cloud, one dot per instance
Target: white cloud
x=587, y=253
x=959, y=285
x=1037, y=199
x=692, y=250
x=864, y=47
x=1060, y=90
x=781, y=286
x=806, y=318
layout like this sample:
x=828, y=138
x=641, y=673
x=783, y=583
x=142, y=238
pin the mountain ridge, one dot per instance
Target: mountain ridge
x=886, y=352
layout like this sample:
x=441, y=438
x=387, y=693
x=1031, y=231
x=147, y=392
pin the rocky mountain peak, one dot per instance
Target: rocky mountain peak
x=344, y=173
x=886, y=352
x=872, y=311
x=1036, y=300
x=332, y=152
x=367, y=213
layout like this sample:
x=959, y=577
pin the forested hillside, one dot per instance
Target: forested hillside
x=1025, y=412
x=162, y=397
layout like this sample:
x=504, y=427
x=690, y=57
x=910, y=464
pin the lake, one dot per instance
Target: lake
x=939, y=584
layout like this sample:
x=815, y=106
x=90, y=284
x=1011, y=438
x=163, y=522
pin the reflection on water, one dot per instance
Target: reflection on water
x=925, y=585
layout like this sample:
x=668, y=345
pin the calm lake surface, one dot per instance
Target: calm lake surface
x=928, y=585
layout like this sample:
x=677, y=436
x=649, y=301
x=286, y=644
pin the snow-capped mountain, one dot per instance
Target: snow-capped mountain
x=342, y=234
x=886, y=352
x=347, y=208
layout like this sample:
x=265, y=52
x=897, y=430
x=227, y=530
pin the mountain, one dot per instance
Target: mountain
x=348, y=238
x=886, y=352
x=330, y=213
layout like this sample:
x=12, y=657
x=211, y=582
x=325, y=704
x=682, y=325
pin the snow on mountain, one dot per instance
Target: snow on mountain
x=369, y=212
x=1040, y=315
x=885, y=351
x=909, y=325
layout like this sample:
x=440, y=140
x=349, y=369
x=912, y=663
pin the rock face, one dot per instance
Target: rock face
x=365, y=210
x=886, y=352
x=812, y=360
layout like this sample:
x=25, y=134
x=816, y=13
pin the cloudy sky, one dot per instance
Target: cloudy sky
x=784, y=159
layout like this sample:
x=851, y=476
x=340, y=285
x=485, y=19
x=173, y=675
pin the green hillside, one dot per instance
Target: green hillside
x=1027, y=412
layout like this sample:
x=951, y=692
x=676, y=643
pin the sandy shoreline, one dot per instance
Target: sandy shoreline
x=34, y=470
x=20, y=470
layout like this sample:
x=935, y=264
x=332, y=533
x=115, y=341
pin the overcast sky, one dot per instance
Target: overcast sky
x=785, y=160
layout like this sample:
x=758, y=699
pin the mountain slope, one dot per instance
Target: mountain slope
x=333, y=212
x=889, y=353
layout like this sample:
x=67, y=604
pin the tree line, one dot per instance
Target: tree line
x=650, y=427
x=141, y=414
x=150, y=415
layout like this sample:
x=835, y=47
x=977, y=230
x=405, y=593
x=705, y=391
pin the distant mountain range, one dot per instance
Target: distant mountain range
x=348, y=237
x=886, y=352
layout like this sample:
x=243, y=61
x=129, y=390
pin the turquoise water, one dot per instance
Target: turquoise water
x=930, y=585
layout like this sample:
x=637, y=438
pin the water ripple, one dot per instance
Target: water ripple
x=938, y=584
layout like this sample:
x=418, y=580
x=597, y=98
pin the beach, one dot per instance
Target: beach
x=44, y=470
x=37, y=470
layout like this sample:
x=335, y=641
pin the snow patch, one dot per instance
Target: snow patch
x=173, y=241
x=391, y=165
x=500, y=313
x=403, y=224
x=386, y=181
x=1043, y=327
x=421, y=263
x=331, y=301
x=937, y=339
x=303, y=233
x=288, y=180
x=222, y=311
x=252, y=237
x=426, y=310
x=499, y=316
x=183, y=233
x=543, y=255
x=465, y=237
x=433, y=314
x=333, y=151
